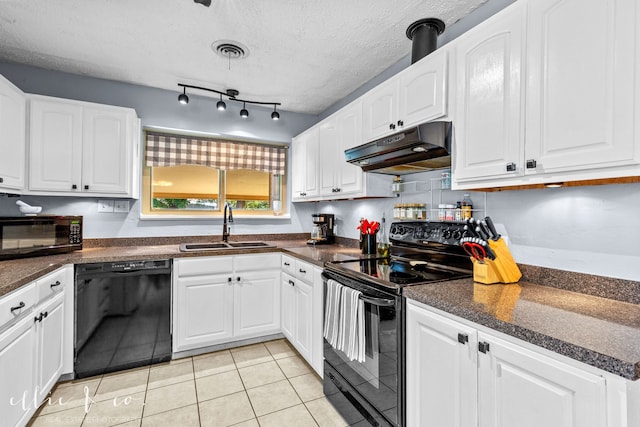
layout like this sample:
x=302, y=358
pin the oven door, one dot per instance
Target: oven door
x=377, y=380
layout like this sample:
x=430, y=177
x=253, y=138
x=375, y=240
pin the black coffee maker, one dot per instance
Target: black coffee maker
x=322, y=231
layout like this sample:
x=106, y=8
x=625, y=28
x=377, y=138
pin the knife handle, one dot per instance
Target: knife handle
x=481, y=233
x=492, y=228
x=485, y=229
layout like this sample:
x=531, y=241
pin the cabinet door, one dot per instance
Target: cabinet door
x=423, y=90
x=580, y=98
x=305, y=178
x=517, y=387
x=107, y=150
x=329, y=156
x=256, y=303
x=50, y=331
x=203, y=311
x=350, y=177
x=17, y=352
x=298, y=167
x=441, y=371
x=380, y=109
x=288, y=306
x=303, y=319
x=55, y=146
x=488, y=120
x=12, y=136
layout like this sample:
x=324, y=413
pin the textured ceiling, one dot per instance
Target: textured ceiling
x=305, y=54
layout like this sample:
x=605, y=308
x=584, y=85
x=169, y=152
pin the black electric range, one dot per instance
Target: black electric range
x=420, y=252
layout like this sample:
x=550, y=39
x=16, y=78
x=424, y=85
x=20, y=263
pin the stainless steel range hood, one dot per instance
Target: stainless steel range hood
x=422, y=148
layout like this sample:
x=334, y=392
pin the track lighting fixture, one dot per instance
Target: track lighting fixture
x=232, y=95
x=221, y=106
x=183, y=98
x=203, y=2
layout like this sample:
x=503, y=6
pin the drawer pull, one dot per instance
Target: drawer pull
x=292, y=283
x=287, y=264
x=53, y=285
x=302, y=271
x=18, y=307
x=463, y=338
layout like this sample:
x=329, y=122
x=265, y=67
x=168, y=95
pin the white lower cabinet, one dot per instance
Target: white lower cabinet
x=302, y=314
x=49, y=345
x=458, y=375
x=225, y=298
x=297, y=299
x=17, y=358
x=33, y=344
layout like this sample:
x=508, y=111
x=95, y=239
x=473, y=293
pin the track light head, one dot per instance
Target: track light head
x=244, y=113
x=183, y=98
x=203, y=2
x=275, y=115
x=221, y=106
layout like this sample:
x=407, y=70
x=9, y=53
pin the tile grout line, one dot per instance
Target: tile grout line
x=245, y=387
x=195, y=386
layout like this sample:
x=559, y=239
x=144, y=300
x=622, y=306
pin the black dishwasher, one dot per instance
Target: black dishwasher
x=122, y=316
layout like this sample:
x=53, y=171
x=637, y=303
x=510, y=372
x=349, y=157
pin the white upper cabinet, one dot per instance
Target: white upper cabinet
x=12, y=137
x=55, y=146
x=488, y=107
x=423, y=89
x=569, y=114
x=107, y=152
x=381, y=109
x=416, y=95
x=339, y=132
x=82, y=148
x=580, y=100
x=304, y=176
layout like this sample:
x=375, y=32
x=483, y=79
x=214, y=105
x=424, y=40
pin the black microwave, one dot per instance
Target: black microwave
x=39, y=235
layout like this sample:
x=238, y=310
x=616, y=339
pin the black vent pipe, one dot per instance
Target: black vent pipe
x=424, y=34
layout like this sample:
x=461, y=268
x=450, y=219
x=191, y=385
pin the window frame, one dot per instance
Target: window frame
x=147, y=212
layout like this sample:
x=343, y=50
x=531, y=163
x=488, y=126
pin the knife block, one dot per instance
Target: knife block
x=503, y=269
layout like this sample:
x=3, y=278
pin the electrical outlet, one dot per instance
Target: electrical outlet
x=121, y=206
x=105, y=205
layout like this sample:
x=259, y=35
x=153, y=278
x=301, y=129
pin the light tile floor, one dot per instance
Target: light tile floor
x=265, y=384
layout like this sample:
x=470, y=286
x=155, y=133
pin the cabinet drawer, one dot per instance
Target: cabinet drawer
x=52, y=283
x=288, y=265
x=204, y=265
x=24, y=298
x=257, y=262
x=304, y=271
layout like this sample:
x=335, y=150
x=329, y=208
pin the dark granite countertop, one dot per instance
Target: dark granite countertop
x=18, y=272
x=601, y=332
x=591, y=319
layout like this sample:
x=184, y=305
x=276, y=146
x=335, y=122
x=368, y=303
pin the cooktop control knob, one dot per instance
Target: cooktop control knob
x=457, y=234
x=446, y=233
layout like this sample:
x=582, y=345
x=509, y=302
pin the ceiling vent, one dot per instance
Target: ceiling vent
x=230, y=49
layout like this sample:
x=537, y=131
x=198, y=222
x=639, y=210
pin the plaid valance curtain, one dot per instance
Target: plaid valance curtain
x=172, y=150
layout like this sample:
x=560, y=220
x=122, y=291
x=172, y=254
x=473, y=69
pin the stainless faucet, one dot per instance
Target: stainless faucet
x=225, y=228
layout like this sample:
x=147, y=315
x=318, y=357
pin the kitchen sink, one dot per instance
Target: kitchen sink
x=221, y=246
x=250, y=245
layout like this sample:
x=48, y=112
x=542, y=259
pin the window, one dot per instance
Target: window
x=195, y=176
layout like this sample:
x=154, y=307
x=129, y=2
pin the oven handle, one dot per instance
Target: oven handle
x=378, y=301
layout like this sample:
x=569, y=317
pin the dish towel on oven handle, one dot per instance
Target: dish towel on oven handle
x=332, y=313
x=344, y=325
